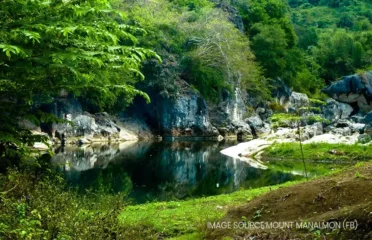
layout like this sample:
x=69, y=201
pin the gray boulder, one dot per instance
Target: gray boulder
x=259, y=128
x=314, y=129
x=243, y=130
x=345, y=127
x=334, y=110
x=357, y=127
x=298, y=100
x=255, y=121
x=338, y=131
x=355, y=90
x=346, y=123
x=367, y=119
x=88, y=126
x=281, y=92
x=264, y=113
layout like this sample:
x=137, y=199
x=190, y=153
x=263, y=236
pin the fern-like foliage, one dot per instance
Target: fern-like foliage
x=50, y=45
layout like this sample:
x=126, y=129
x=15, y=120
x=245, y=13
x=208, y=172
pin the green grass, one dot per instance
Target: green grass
x=185, y=219
x=178, y=218
x=314, y=169
x=319, y=152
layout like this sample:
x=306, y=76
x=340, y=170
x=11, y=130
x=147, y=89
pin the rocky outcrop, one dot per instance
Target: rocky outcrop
x=297, y=101
x=345, y=127
x=288, y=100
x=313, y=130
x=259, y=127
x=228, y=116
x=281, y=93
x=333, y=139
x=232, y=12
x=246, y=152
x=185, y=115
x=355, y=90
x=82, y=127
x=334, y=110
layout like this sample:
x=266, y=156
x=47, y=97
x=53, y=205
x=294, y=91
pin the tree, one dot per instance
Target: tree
x=50, y=46
x=272, y=36
x=270, y=47
x=337, y=54
x=220, y=57
x=201, y=47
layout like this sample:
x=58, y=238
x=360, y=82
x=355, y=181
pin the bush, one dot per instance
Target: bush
x=35, y=204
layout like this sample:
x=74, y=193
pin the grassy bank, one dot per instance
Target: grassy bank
x=320, y=152
x=178, y=218
x=345, y=196
x=187, y=219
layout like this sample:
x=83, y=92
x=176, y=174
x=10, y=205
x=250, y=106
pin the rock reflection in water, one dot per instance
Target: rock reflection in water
x=149, y=171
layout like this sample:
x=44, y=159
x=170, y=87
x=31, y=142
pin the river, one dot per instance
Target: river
x=162, y=171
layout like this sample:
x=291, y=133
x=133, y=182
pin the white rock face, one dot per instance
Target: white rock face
x=245, y=152
x=40, y=146
x=332, y=138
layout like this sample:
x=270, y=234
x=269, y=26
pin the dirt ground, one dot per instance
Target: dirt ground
x=338, y=199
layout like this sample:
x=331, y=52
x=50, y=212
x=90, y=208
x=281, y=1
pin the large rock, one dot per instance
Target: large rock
x=354, y=89
x=83, y=127
x=259, y=128
x=232, y=13
x=334, y=110
x=231, y=107
x=345, y=127
x=298, y=100
x=285, y=135
x=346, y=131
x=243, y=130
x=367, y=119
x=185, y=115
x=264, y=113
x=281, y=93
x=255, y=121
x=89, y=128
x=314, y=129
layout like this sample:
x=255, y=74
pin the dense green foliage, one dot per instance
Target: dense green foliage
x=200, y=47
x=336, y=34
x=35, y=204
x=275, y=44
x=53, y=47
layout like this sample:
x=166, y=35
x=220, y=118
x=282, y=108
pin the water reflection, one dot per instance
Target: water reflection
x=149, y=171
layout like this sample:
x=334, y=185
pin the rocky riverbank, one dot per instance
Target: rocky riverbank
x=343, y=119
